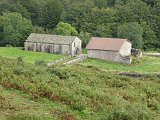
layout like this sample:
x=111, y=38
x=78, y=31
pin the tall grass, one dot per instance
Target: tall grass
x=88, y=91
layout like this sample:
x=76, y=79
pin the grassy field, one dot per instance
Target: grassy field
x=83, y=91
x=76, y=92
x=28, y=56
x=147, y=64
x=16, y=105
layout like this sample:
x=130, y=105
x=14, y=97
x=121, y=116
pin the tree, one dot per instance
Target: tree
x=103, y=31
x=52, y=11
x=155, y=21
x=34, y=7
x=65, y=29
x=87, y=17
x=41, y=30
x=132, y=31
x=13, y=6
x=1, y=31
x=85, y=37
x=80, y=16
x=15, y=28
x=149, y=37
x=134, y=10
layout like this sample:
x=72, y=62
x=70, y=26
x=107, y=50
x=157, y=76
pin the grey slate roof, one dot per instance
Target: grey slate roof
x=46, y=38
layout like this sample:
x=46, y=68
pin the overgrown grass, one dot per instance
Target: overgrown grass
x=28, y=56
x=84, y=51
x=147, y=64
x=86, y=92
x=15, y=105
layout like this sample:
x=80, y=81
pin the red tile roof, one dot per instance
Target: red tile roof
x=110, y=44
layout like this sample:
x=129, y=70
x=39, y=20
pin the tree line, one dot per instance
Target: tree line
x=137, y=20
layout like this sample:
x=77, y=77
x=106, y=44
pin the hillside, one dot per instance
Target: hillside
x=77, y=92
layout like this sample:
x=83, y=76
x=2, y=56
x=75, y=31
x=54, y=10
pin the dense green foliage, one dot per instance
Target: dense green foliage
x=65, y=29
x=101, y=18
x=78, y=92
x=133, y=32
x=15, y=28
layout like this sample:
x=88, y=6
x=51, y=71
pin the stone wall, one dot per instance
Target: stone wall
x=109, y=55
x=126, y=49
x=152, y=54
x=65, y=49
x=49, y=48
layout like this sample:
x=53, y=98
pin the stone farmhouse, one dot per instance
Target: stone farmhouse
x=111, y=49
x=66, y=45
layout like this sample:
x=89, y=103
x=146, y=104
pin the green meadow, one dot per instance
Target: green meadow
x=88, y=90
x=28, y=56
x=146, y=64
x=75, y=92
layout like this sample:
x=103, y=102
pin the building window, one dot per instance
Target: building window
x=74, y=44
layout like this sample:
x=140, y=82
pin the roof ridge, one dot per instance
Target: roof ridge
x=49, y=38
x=110, y=38
x=53, y=35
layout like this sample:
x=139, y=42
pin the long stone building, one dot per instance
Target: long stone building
x=66, y=45
x=111, y=49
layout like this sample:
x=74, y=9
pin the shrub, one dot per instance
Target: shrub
x=18, y=70
x=40, y=62
x=9, y=45
x=135, y=60
x=116, y=114
x=20, y=60
x=153, y=104
x=130, y=113
x=158, y=50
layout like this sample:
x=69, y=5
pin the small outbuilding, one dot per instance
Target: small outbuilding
x=111, y=49
x=66, y=45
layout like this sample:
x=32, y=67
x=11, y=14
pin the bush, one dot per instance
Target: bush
x=130, y=113
x=20, y=60
x=158, y=50
x=135, y=60
x=153, y=104
x=40, y=62
x=9, y=45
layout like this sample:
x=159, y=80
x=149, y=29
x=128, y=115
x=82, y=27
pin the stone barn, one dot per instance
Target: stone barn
x=111, y=49
x=55, y=44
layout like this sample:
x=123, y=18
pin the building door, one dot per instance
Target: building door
x=50, y=48
x=77, y=51
x=60, y=49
